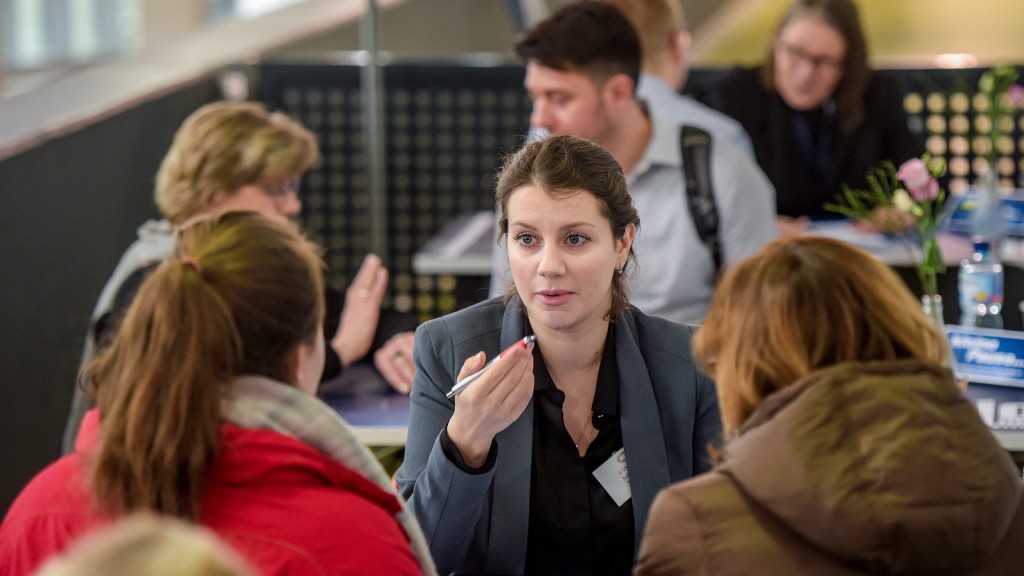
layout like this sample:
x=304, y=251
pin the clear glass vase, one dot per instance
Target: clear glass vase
x=986, y=220
x=932, y=306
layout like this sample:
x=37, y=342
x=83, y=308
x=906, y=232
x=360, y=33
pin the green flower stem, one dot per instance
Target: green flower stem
x=994, y=84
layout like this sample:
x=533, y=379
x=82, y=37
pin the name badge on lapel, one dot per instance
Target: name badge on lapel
x=614, y=477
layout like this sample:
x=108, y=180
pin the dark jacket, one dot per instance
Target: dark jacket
x=771, y=124
x=477, y=523
x=880, y=468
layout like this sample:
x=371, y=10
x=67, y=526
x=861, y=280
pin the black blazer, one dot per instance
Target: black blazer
x=884, y=135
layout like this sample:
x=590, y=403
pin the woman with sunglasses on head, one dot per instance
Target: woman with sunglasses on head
x=239, y=156
x=206, y=411
x=817, y=114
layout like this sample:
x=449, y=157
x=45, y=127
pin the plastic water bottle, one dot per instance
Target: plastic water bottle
x=981, y=288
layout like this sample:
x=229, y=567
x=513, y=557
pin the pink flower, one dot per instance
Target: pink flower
x=922, y=186
x=1016, y=95
x=929, y=192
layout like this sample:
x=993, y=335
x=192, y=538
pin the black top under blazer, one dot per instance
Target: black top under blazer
x=884, y=135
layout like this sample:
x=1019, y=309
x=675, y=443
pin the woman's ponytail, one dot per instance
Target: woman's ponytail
x=242, y=293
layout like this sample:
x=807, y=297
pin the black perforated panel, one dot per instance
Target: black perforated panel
x=449, y=124
x=944, y=105
x=447, y=128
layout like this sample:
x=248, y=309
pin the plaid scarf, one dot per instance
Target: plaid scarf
x=261, y=403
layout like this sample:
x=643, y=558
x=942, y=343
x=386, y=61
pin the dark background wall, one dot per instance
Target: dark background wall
x=68, y=209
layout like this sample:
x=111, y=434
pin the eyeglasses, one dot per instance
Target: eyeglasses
x=816, y=61
x=281, y=190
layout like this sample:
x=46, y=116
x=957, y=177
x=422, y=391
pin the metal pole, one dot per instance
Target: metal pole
x=373, y=129
x=5, y=36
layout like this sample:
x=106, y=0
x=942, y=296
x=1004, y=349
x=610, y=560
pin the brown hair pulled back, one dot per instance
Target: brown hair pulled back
x=244, y=293
x=563, y=165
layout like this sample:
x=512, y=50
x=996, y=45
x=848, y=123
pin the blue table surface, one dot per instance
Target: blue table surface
x=1001, y=406
x=384, y=409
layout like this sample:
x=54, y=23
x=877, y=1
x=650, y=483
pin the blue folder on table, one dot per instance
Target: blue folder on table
x=960, y=210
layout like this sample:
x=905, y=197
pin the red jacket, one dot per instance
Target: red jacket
x=282, y=504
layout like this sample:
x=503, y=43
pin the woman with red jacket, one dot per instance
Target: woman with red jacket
x=206, y=412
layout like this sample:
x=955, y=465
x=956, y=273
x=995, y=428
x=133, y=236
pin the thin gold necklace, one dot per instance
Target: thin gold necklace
x=586, y=424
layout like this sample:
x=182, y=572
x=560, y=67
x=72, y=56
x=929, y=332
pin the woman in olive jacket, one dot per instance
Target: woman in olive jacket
x=850, y=448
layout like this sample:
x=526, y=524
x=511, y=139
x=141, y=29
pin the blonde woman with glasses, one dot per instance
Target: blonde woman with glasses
x=238, y=156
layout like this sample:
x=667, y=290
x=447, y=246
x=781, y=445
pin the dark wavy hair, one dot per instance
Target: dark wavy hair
x=591, y=37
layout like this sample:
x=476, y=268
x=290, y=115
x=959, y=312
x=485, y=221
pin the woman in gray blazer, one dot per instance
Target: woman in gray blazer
x=548, y=462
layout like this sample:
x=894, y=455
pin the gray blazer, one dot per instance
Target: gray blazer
x=477, y=523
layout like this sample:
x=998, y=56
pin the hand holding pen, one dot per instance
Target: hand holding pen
x=461, y=384
x=500, y=391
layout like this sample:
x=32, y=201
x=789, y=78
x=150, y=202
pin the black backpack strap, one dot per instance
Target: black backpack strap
x=695, y=145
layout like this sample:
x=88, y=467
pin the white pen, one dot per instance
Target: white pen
x=461, y=384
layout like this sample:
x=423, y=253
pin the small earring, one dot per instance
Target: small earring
x=620, y=269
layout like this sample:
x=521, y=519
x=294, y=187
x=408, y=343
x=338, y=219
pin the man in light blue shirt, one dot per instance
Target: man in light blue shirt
x=665, y=43
x=582, y=66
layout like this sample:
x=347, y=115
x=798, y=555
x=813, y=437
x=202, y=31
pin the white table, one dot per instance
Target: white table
x=462, y=248
x=892, y=251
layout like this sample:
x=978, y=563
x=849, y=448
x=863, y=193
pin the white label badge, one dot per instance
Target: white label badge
x=614, y=477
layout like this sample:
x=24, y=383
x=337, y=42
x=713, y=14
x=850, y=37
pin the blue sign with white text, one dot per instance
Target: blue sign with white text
x=959, y=212
x=987, y=356
x=992, y=361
